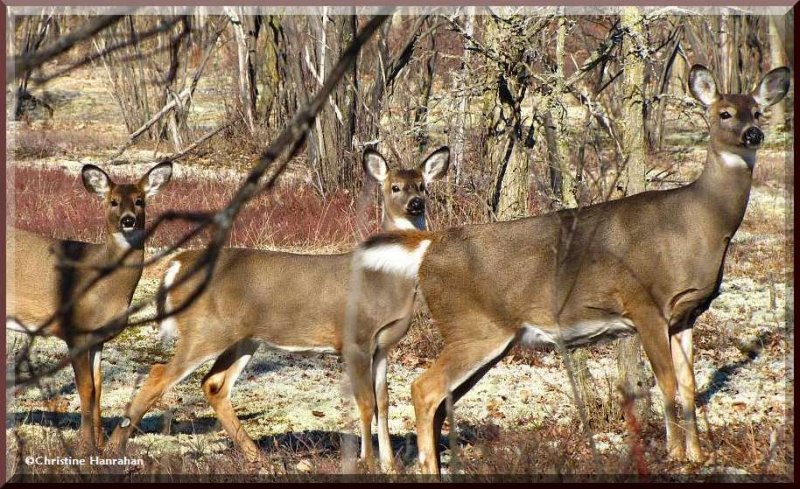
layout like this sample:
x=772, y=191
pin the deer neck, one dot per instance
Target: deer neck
x=394, y=223
x=118, y=244
x=726, y=181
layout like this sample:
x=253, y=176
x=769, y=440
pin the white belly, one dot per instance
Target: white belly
x=579, y=334
x=301, y=348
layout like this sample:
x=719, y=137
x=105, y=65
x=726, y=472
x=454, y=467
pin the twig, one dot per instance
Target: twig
x=26, y=62
x=164, y=26
x=292, y=137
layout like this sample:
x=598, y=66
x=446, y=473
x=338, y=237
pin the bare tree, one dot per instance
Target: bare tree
x=632, y=380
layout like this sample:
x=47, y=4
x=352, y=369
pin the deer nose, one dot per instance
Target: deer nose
x=753, y=137
x=127, y=222
x=416, y=206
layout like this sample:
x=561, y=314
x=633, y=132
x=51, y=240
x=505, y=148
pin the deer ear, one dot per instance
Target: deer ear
x=96, y=180
x=702, y=85
x=156, y=178
x=773, y=87
x=375, y=165
x=435, y=165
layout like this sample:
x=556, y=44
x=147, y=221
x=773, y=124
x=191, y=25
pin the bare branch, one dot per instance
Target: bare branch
x=26, y=62
x=287, y=144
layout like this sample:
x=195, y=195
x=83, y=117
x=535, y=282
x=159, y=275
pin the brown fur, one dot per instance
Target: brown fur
x=653, y=261
x=45, y=287
x=287, y=300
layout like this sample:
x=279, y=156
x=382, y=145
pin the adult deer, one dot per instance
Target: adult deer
x=649, y=264
x=291, y=302
x=48, y=278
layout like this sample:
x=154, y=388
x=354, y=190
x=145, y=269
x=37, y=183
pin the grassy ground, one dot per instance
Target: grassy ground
x=520, y=419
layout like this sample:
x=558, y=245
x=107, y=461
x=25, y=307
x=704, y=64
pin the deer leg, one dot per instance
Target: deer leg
x=460, y=366
x=85, y=387
x=655, y=340
x=359, y=368
x=381, y=389
x=96, y=354
x=217, y=386
x=683, y=358
x=161, y=378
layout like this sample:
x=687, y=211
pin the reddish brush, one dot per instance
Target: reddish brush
x=53, y=202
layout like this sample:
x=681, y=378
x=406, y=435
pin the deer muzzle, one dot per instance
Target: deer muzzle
x=416, y=206
x=127, y=222
x=753, y=137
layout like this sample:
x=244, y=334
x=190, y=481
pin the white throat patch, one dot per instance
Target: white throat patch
x=405, y=224
x=733, y=160
x=394, y=258
x=130, y=239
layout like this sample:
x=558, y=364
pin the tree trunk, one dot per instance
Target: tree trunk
x=723, y=54
x=511, y=147
x=776, y=58
x=348, y=91
x=247, y=93
x=421, y=113
x=321, y=152
x=632, y=379
x=459, y=132
x=562, y=180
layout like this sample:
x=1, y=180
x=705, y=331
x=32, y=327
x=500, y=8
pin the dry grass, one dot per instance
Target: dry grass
x=52, y=202
x=35, y=142
x=294, y=217
x=557, y=452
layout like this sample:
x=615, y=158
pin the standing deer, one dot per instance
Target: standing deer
x=291, y=302
x=649, y=264
x=48, y=276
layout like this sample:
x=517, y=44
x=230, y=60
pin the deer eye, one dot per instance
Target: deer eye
x=421, y=187
x=395, y=188
x=757, y=115
x=114, y=203
x=140, y=202
x=724, y=115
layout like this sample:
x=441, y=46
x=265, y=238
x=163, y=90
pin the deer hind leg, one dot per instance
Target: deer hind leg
x=161, y=378
x=95, y=355
x=683, y=359
x=654, y=336
x=217, y=386
x=457, y=369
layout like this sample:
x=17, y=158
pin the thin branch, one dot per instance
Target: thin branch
x=293, y=138
x=28, y=61
x=163, y=26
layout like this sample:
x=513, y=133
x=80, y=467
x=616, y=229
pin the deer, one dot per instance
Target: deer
x=49, y=292
x=290, y=302
x=646, y=264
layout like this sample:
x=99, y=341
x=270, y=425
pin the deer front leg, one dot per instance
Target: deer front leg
x=359, y=369
x=683, y=358
x=654, y=335
x=458, y=368
x=84, y=384
x=161, y=378
x=382, y=396
x=96, y=354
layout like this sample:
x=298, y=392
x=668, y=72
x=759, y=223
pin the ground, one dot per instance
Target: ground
x=298, y=410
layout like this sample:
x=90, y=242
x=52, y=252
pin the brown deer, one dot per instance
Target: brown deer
x=290, y=302
x=48, y=276
x=649, y=264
